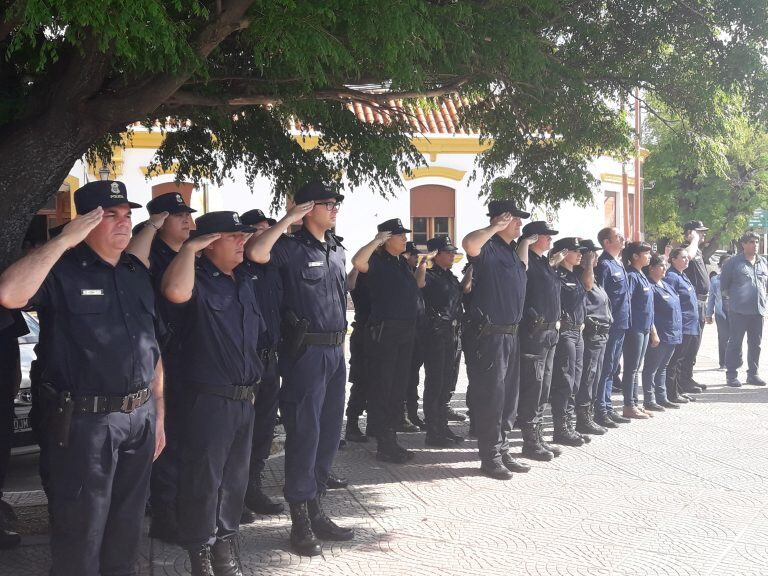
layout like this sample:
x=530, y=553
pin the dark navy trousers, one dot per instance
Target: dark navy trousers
x=592, y=365
x=493, y=369
x=214, y=461
x=537, y=353
x=164, y=483
x=265, y=416
x=312, y=408
x=566, y=372
x=100, y=484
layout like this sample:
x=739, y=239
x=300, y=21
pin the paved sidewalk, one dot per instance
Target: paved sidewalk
x=685, y=493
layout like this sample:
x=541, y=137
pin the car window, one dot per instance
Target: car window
x=34, y=330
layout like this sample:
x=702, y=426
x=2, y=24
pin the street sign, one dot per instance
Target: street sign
x=759, y=218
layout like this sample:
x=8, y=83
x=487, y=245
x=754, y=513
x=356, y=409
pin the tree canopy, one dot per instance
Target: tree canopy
x=717, y=174
x=227, y=79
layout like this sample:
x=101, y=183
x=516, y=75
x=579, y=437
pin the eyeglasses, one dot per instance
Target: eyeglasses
x=330, y=206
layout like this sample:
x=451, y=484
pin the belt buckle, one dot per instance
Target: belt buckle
x=129, y=403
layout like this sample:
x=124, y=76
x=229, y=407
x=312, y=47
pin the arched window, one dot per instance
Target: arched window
x=433, y=212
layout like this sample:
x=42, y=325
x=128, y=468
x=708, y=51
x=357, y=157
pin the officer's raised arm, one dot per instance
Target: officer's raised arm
x=141, y=242
x=362, y=256
x=523, y=244
x=474, y=241
x=179, y=279
x=259, y=248
x=588, y=270
x=23, y=279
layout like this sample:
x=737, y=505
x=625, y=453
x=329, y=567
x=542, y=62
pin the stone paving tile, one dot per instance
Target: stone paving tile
x=682, y=494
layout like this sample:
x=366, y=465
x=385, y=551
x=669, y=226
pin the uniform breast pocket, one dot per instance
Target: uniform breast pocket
x=218, y=302
x=314, y=274
x=82, y=301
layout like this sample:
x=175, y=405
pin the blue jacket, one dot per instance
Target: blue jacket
x=744, y=285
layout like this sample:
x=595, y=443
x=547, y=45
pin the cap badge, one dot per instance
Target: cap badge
x=115, y=189
x=236, y=218
x=179, y=199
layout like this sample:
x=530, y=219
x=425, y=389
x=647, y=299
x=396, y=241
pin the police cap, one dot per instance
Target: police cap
x=589, y=245
x=496, y=207
x=315, y=190
x=539, y=227
x=410, y=248
x=694, y=225
x=569, y=243
x=104, y=193
x=441, y=244
x=256, y=216
x=220, y=222
x=394, y=225
x=171, y=202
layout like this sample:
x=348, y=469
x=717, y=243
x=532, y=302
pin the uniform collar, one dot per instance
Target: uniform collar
x=212, y=270
x=87, y=256
x=160, y=245
x=500, y=240
x=331, y=240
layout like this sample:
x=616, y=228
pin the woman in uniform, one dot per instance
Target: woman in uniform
x=567, y=365
x=636, y=256
x=666, y=334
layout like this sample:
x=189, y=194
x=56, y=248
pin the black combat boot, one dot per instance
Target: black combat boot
x=257, y=501
x=303, y=540
x=445, y=429
x=563, y=434
x=247, y=517
x=389, y=450
x=226, y=557
x=532, y=447
x=570, y=421
x=556, y=450
x=334, y=482
x=405, y=424
x=585, y=424
x=200, y=561
x=413, y=416
x=436, y=438
x=512, y=464
x=353, y=432
x=324, y=527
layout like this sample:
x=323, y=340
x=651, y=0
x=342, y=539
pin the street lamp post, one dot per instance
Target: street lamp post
x=103, y=173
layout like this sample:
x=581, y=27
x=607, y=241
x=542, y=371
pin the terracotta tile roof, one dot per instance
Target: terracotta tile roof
x=441, y=118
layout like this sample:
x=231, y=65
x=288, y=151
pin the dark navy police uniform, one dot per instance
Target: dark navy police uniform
x=359, y=374
x=569, y=353
x=220, y=372
x=268, y=285
x=538, y=338
x=392, y=330
x=698, y=274
x=314, y=373
x=597, y=324
x=442, y=297
x=98, y=333
x=492, y=351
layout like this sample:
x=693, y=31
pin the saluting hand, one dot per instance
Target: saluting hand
x=587, y=259
x=76, y=231
x=500, y=222
x=156, y=220
x=558, y=257
x=200, y=242
x=383, y=237
x=426, y=258
x=529, y=239
x=297, y=212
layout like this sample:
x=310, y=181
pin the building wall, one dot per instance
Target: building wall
x=448, y=164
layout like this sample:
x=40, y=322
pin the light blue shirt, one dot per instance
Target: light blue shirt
x=715, y=299
x=743, y=284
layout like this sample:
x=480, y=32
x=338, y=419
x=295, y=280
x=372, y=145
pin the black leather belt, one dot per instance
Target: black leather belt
x=324, y=338
x=597, y=329
x=537, y=326
x=246, y=393
x=109, y=404
x=500, y=328
x=566, y=326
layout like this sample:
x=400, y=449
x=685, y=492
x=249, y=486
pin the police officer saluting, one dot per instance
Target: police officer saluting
x=567, y=364
x=392, y=330
x=697, y=273
x=492, y=352
x=597, y=324
x=442, y=298
x=219, y=323
x=99, y=380
x=268, y=286
x=312, y=365
x=539, y=338
x=168, y=227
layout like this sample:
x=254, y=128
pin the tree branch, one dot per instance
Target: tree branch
x=11, y=18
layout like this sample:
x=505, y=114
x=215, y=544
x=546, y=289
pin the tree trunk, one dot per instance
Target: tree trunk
x=35, y=158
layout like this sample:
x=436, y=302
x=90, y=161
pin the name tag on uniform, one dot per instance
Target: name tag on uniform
x=617, y=274
x=91, y=292
x=570, y=284
x=665, y=296
x=645, y=288
x=316, y=264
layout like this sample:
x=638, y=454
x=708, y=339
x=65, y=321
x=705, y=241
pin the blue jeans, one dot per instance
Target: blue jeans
x=655, y=372
x=635, y=344
x=610, y=364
